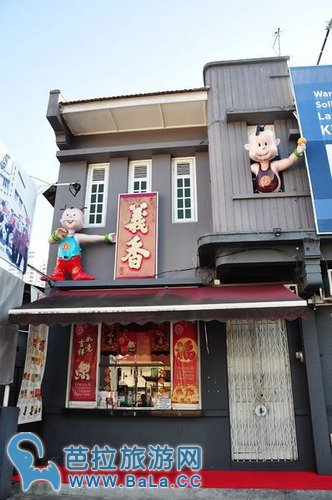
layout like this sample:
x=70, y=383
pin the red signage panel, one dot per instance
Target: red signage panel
x=136, y=249
x=185, y=364
x=83, y=373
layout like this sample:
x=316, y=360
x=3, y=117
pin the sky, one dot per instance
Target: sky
x=102, y=48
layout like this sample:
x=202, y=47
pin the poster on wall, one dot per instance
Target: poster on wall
x=30, y=397
x=83, y=365
x=313, y=96
x=185, y=365
x=136, y=249
x=17, y=203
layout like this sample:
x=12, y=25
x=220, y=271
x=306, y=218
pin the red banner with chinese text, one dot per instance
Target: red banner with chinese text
x=136, y=247
x=83, y=373
x=185, y=364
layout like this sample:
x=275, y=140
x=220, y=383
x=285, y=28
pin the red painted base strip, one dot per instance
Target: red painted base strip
x=230, y=479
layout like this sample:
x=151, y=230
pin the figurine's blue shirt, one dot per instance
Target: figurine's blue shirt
x=69, y=247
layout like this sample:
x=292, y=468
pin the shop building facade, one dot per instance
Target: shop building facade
x=228, y=299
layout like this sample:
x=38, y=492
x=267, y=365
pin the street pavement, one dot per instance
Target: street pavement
x=43, y=492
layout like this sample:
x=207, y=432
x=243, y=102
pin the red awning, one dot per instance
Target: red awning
x=141, y=305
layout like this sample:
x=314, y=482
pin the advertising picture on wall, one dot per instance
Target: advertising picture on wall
x=17, y=202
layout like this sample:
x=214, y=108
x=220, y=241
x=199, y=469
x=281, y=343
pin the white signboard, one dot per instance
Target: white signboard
x=30, y=398
x=164, y=403
x=17, y=202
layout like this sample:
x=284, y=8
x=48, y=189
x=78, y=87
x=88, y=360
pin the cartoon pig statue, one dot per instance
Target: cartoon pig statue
x=69, y=240
x=263, y=147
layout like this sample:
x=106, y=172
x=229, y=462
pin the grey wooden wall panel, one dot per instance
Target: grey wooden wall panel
x=99, y=259
x=295, y=178
x=250, y=86
x=235, y=208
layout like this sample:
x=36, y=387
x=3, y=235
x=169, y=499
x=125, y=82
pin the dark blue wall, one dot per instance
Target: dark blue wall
x=210, y=428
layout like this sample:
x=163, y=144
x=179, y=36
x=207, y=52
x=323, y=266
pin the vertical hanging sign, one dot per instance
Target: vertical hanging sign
x=313, y=96
x=185, y=365
x=136, y=249
x=83, y=368
x=29, y=399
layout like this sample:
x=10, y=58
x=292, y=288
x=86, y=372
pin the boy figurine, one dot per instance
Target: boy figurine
x=68, y=238
x=263, y=147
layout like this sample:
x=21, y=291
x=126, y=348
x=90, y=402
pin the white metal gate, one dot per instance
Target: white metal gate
x=260, y=393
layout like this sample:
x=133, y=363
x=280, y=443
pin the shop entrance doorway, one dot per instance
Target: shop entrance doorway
x=262, y=420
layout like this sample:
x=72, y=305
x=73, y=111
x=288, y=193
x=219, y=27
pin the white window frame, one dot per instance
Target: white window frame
x=193, y=187
x=91, y=168
x=131, y=175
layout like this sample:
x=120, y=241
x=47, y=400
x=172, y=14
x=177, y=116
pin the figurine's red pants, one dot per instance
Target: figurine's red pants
x=72, y=266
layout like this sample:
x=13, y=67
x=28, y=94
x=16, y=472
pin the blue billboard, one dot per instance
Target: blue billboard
x=313, y=97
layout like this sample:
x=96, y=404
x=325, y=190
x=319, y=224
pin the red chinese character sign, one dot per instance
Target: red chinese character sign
x=185, y=365
x=136, y=253
x=83, y=373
